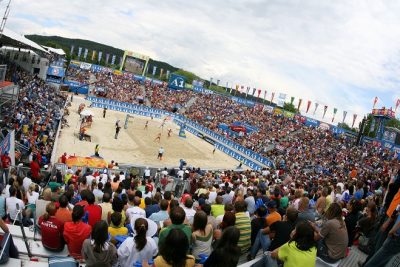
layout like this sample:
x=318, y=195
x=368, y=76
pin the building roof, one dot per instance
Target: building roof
x=11, y=38
x=57, y=51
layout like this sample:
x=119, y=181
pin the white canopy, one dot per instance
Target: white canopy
x=14, y=39
x=57, y=51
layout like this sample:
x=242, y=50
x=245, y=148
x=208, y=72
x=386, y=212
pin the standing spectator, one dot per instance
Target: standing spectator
x=97, y=251
x=217, y=209
x=244, y=226
x=251, y=203
x=138, y=248
x=51, y=229
x=5, y=164
x=189, y=211
x=76, y=232
x=94, y=210
x=35, y=169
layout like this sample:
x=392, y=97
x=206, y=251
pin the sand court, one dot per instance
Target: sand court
x=136, y=144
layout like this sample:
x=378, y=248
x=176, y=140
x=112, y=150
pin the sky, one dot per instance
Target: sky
x=338, y=53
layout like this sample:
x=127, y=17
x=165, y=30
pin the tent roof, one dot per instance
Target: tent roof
x=11, y=38
x=57, y=51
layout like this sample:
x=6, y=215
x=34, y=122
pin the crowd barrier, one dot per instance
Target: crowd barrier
x=148, y=111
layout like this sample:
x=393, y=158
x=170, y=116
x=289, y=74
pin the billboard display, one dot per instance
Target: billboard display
x=134, y=63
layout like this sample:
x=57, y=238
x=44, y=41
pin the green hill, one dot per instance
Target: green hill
x=66, y=43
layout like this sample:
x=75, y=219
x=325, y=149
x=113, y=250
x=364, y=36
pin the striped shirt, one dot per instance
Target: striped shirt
x=244, y=226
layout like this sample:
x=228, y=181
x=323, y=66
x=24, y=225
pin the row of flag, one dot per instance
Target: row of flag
x=281, y=98
x=96, y=55
x=154, y=70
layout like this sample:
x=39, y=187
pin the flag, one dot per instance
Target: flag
x=241, y=88
x=218, y=82
x=231, y=89
x=265, y=94
x=182, y=132
x=298, y=105
x=120, y=61
x=154, y=70
x=344, y=116
x=168, y=72
x=72, y=50
x=93, y=54
x=372, y=127
x=308, y=105
x=325, y=109
x=247, y=90
x=211, y=79
x=79, y=52
x=259, y=92
x=161, y=72
x=375, y=101
x=226, y=87
x=397, y=104
x=291, y=100
x=107, y=58
x=334, y=114
x=8, y=145
x=100, y=55
x=354, y=120
x=254, y=91
x=85, y=53
x=272, y=97
x=316, y=106
x=113, y=59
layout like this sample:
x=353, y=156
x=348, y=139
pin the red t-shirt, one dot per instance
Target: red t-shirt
x=52, y=232
x=35, y=168
x=74, y=235
x=94, y=213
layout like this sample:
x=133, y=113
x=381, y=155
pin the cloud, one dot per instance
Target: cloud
x=339, y=53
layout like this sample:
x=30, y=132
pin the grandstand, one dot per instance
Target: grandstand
x=219, y=168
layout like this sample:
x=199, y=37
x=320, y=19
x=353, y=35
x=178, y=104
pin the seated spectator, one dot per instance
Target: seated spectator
x=354, y=214
x=202, y=235
x=106, y=207
x=244, y=226
x=305, y=213
x=162, y=215
x=258, y=223
x=333, y=235
x=189, y=211
x=115, y=227
x=210, y=219
x=76, y=232
x=11, y=205
x=97, y=251
x=227, y=251
x=136, y=211
x=177, y=216
x=138, y=248
x=174, y=248
x=150, y=207
x=367, y=229
x=118, y=206
x=300, y=250
x=93, y=210
x=217, y=209
x=64, y=214
x=51, y=229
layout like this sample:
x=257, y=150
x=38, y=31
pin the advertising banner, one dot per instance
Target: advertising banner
x=177, y=82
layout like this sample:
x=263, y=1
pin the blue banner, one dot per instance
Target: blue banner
x=182, y=131
x=77, y=86
x=201, y=90
x=53, y=80
x=56, y=71
x=243, y=101
x=96, y=68
x=311, y=122
x=176, y=82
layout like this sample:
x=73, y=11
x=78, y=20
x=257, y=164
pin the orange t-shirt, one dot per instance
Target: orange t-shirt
x=64, y=215
x=273, y=217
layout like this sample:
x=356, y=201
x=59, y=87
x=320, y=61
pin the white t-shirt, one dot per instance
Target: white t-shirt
x=189, y=214
x=26, y=183
x=161, y=151
x=11, y=205
x=89, y=180
x=212, y=196
x=121, y=177
x=135, y=212
x=180, y=174
x=32, y=197
x=147, y=172
x=128, y=254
